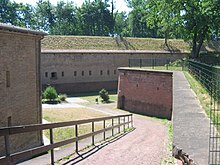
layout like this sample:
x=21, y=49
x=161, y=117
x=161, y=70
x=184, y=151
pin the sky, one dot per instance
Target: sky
x=119, y=4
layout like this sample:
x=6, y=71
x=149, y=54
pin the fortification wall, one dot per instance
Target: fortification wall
x=89, y=70
x=19, y=85
x=146, y=92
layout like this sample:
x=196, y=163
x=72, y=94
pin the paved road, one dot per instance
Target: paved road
x=146, y=145
x=190, y=124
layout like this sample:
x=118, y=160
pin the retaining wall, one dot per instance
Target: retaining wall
x=146, y=92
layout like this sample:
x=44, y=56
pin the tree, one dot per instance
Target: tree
x=120, y=24
x=18, y=14
x=137, y=21
x=194, y=21
x=44, y=13
x=163, y=16
x=95, y=18
x=65, y=19
x=201, y=20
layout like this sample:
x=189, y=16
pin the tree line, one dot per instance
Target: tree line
x=193, y=21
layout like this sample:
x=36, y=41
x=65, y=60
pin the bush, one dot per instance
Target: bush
x=50, y=93
x=62, y=97
x=104, y=95
x=42, y=95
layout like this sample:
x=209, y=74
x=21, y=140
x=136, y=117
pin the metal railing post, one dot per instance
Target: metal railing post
x=152, y=63
x=52, y=150
x=167, y=64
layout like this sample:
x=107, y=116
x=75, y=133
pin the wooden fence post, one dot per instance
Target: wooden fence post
x=104, y=128
x=112, y=128
x=93, y=129
x=52, y=150
x=76, y=134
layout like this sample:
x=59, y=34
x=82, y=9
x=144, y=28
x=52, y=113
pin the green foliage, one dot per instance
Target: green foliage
x=178, y=63
x=103, y=93
x=194, y=21
x=62, y=97
x=50, y=93
x=42, y=95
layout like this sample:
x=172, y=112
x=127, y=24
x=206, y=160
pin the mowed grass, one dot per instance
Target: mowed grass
x=91, y=98
x=70, y=114
x=200, y=91
x=110, y=43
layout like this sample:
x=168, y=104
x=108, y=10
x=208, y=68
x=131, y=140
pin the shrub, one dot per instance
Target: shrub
x=104, y=95
x=42, y=95
x=62, y=97
x=50, y=93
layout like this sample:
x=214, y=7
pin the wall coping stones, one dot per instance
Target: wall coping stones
x=145, y=70
x=63, y=51
x=11, y=28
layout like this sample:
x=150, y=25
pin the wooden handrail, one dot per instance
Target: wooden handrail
x=15, y=157
x=40, y=127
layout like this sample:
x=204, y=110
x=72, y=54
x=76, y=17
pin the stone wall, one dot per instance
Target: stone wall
x=88, y=70
x=146, y=92
x=20, y=84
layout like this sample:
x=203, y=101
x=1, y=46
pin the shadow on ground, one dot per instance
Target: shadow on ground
x=80, y=156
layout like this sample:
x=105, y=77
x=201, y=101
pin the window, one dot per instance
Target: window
x=46, y=74
x=62, y=74
x=108, y=72
x=53, y=75
x=82, y=73
x=90, y=72
x=8, y=79
x=75, y=73
x=9, y=121
x=101, y=72
x=114, y=71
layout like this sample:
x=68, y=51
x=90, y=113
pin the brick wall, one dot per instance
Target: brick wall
x=146, y=92
x=83, y=67
x=20, y=85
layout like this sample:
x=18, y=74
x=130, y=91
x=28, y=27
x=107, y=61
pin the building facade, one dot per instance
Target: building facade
x=20, y=86
x=147, y=92
x=73, y=71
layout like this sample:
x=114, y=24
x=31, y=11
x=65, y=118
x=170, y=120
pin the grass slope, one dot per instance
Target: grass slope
x=110, y=43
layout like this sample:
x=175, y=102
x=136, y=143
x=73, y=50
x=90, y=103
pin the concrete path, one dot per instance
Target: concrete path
x=190, y=124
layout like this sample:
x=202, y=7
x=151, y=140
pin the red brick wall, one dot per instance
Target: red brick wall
x=146, y=92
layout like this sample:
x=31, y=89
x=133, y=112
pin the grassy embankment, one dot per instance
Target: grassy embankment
x=110, y=43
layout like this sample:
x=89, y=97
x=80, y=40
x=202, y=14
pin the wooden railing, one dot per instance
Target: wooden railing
x=18, y=156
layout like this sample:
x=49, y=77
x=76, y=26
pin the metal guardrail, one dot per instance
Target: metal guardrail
x=15, y=157
x=155, y=63
x=209, y=77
